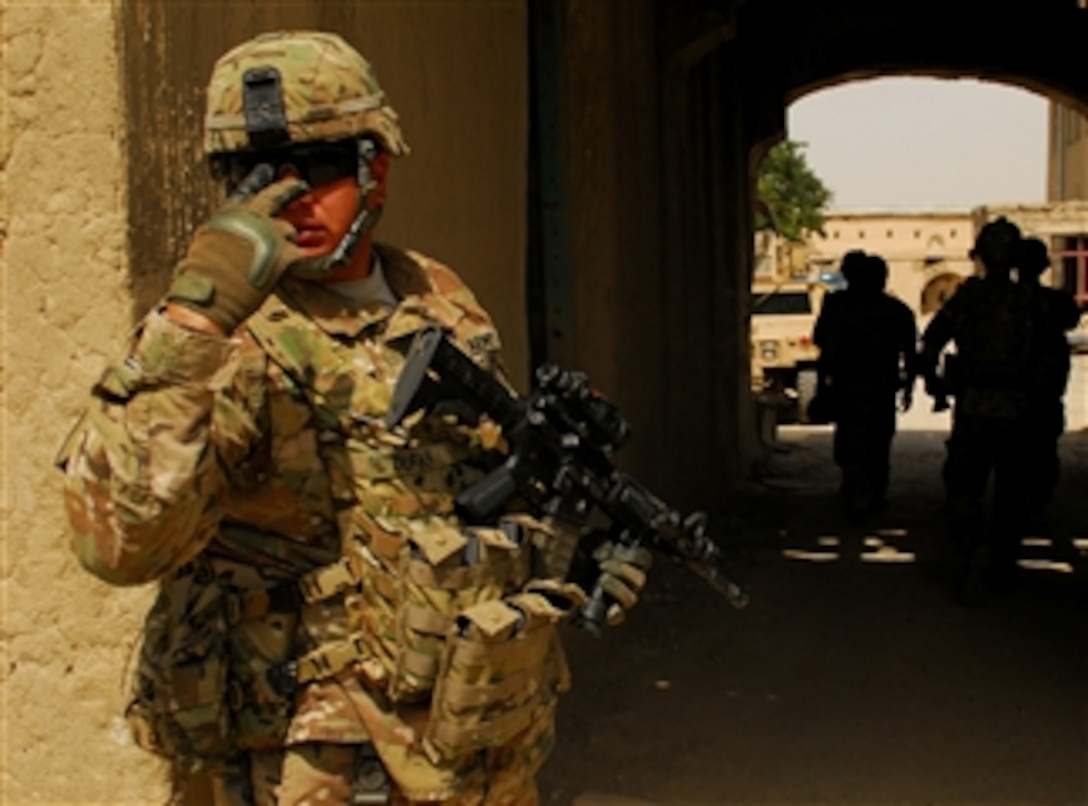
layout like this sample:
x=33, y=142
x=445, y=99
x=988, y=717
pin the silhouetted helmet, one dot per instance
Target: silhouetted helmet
x=287, y=87
x=851, y=262
x=1032, y=257
x=997, y=243
x=876, y=270
x=870, y=274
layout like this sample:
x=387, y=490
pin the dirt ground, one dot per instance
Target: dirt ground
x=853, y=676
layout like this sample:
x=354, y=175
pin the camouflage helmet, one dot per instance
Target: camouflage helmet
x=317, y=87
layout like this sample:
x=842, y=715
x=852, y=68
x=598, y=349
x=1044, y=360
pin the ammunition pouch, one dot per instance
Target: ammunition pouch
x=502, y=670
x=404, y=582
x=417, y=575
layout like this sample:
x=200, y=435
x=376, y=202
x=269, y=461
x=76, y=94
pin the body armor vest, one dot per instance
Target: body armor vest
x=415, y=566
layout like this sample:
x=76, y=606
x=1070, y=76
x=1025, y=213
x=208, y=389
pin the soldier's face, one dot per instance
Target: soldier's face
x=322, y=216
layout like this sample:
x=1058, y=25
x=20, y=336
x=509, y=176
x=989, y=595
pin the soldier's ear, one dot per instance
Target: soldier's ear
x=379, y=175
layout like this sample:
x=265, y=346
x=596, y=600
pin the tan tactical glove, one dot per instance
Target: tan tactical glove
x=236, y=259
x=623, y=575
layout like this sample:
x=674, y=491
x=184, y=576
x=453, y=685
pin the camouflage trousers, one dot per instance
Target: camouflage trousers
x=318, y=775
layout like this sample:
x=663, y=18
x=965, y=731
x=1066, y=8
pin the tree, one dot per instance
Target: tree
x=790, y=192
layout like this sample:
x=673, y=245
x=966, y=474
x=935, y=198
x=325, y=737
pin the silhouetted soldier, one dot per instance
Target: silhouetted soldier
x=822, y=409
x=851, y=262
x=990, y=320
x=867, y=343
x=1054, y=312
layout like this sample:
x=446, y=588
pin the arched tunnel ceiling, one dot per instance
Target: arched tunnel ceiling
x=790, y=48
x=728, y=69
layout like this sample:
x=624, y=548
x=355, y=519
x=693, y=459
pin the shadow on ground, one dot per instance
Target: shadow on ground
x=853, y=676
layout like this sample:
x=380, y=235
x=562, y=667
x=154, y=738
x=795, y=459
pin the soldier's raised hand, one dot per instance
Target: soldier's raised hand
x=236, y=259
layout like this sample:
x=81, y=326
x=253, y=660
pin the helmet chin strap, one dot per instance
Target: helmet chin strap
x=366, y=218
x=319, y=266
x=364, y=221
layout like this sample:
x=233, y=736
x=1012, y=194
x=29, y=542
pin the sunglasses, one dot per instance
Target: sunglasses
x=317, y=164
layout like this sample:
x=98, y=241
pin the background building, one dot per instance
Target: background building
x=1067, y=163
x=926, y=251
x=1067, y=168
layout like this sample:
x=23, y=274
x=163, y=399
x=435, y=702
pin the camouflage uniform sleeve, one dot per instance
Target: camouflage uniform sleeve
x=142, y=475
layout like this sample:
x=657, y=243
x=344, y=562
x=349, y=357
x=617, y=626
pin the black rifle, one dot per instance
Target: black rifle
x=561, y=439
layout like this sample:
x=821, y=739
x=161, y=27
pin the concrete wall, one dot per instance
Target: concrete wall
x=65, y=302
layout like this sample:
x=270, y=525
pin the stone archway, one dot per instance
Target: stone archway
x=725, y=81
x=937, y=291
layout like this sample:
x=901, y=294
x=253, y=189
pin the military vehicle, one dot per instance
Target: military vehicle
x=783, y=355
x=786, y=297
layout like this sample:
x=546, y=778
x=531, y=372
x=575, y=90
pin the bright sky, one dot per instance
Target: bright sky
x=915, y=143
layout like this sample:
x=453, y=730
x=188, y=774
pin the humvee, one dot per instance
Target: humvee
x=783, y=357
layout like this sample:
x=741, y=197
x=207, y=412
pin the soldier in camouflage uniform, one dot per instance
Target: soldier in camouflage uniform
x=990, y=320
x=327, y=629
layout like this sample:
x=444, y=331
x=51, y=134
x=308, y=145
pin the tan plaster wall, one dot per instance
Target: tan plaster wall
x=65, y=306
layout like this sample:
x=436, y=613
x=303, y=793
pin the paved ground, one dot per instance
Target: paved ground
x=853, y=677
